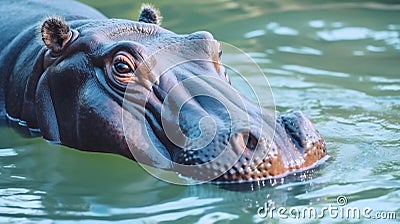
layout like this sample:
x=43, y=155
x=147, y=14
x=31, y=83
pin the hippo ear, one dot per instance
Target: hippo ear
x=55, y=33
x=149, y=14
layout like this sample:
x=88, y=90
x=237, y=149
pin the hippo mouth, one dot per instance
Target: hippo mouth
x=244, y=156
x=297, y=146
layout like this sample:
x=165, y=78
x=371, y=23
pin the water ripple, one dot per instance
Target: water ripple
x=390, y=37
x=387, y=87
x=8, y=152
x=379, y=79
x=301, y=50
x=281, y=30
x=173, y=216
x=254, y=33
x=216, y=217
x=314, y=71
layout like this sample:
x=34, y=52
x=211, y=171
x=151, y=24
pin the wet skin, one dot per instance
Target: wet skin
x=99, y=84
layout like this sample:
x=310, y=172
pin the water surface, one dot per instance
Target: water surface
x=337, y=61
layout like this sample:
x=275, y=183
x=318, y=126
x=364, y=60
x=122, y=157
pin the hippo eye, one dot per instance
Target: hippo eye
x=122, y=68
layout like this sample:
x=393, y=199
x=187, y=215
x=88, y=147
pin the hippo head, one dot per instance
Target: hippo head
x=163, y=99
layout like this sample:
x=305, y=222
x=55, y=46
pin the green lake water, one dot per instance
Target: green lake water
x=337, y=61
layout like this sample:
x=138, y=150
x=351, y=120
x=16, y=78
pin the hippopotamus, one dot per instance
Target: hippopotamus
x=98, y=84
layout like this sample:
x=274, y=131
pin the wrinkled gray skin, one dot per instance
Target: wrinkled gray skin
x=72, y=87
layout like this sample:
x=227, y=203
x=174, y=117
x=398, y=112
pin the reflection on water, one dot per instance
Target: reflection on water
x=336, y=61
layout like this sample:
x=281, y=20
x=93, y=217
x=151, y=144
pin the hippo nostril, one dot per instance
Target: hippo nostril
x=250, y=141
